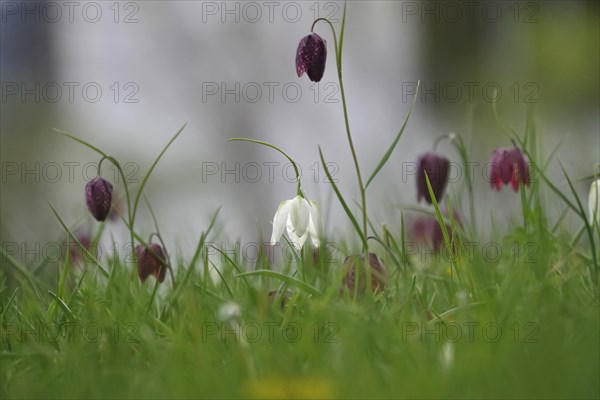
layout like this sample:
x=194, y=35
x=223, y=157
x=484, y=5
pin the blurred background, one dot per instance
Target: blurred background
x=125, y=76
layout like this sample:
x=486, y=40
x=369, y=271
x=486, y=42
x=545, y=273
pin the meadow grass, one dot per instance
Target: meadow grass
x=524, y=324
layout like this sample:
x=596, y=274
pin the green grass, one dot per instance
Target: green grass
x=395, y=344
x=520, y=324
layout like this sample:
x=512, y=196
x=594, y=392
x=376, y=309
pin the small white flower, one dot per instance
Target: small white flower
x=300, y=218
x=229, y=311
x=594, y=202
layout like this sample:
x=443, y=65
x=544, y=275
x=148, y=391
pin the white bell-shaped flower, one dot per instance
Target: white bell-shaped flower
x=300, y=218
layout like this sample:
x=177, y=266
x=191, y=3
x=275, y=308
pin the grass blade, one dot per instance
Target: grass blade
x=10, y=301
x=288, y=279
x=62, y=305
x=342, y=201
x=388, y=153
x=440, y=219
x=223, y=279
x=18, y=267
x=588, y=228
x=341, y=41
x=83, y=142
x=147, y=176
x=87, y=253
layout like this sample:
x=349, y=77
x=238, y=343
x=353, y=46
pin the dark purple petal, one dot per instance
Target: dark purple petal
x=151, y=260
x=508, y=166
x=98, y=197
x=311, y=57
x=495, y=176
x=520, y=172
x=427, y=230
x=77, y=252
x=378, y=273
x=437, y=169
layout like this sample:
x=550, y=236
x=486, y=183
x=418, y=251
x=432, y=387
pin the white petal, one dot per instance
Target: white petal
x=314, y=238
x=313, y=233
x=315, y=225
x=297, y=241
x=299, y=215
x=315, y=215
x=280, y=220
x=594, y=202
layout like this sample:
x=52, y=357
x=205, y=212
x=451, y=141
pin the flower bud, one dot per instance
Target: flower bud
x=508, y=165
x=437, y=168
x=378, y=273
x=311, y=56
x=98, y=197
x=151, y=260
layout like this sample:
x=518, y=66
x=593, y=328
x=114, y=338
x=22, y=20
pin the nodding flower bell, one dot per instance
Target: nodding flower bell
x=437, y=168
x=301, y=219
x=77, y=252
x=427, y=230
x=509, y=165
x=98, y=197
x=311, y=56
x=151, y=260
x=378, y=273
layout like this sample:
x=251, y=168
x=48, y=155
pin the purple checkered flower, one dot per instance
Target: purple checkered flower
x=311, y=56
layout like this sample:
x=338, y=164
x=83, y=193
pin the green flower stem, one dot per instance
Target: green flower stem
x=299, y=190
x=166, y=259
x=361, y=186
x=129, y=214
x=462, y=149
x=460, y=146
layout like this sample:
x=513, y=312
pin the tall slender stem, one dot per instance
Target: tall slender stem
x=361, y=186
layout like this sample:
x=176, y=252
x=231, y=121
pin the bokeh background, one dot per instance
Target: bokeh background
x=125, y=76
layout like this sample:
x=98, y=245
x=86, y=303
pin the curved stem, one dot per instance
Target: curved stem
x=437, y=141
x=361, y=186
x=460, y=146
x=167, y=258
x=296, y=171
x=129, y=215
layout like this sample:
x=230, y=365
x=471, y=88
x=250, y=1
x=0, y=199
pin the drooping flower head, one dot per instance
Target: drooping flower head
x=594, y=202
x=98, y=197
x=427, y=230
x=508, y=165
x=437, y=168
x=378, y=273
x=300, y=218
x=151, y=260
x=77, y=253
x=311, y=56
